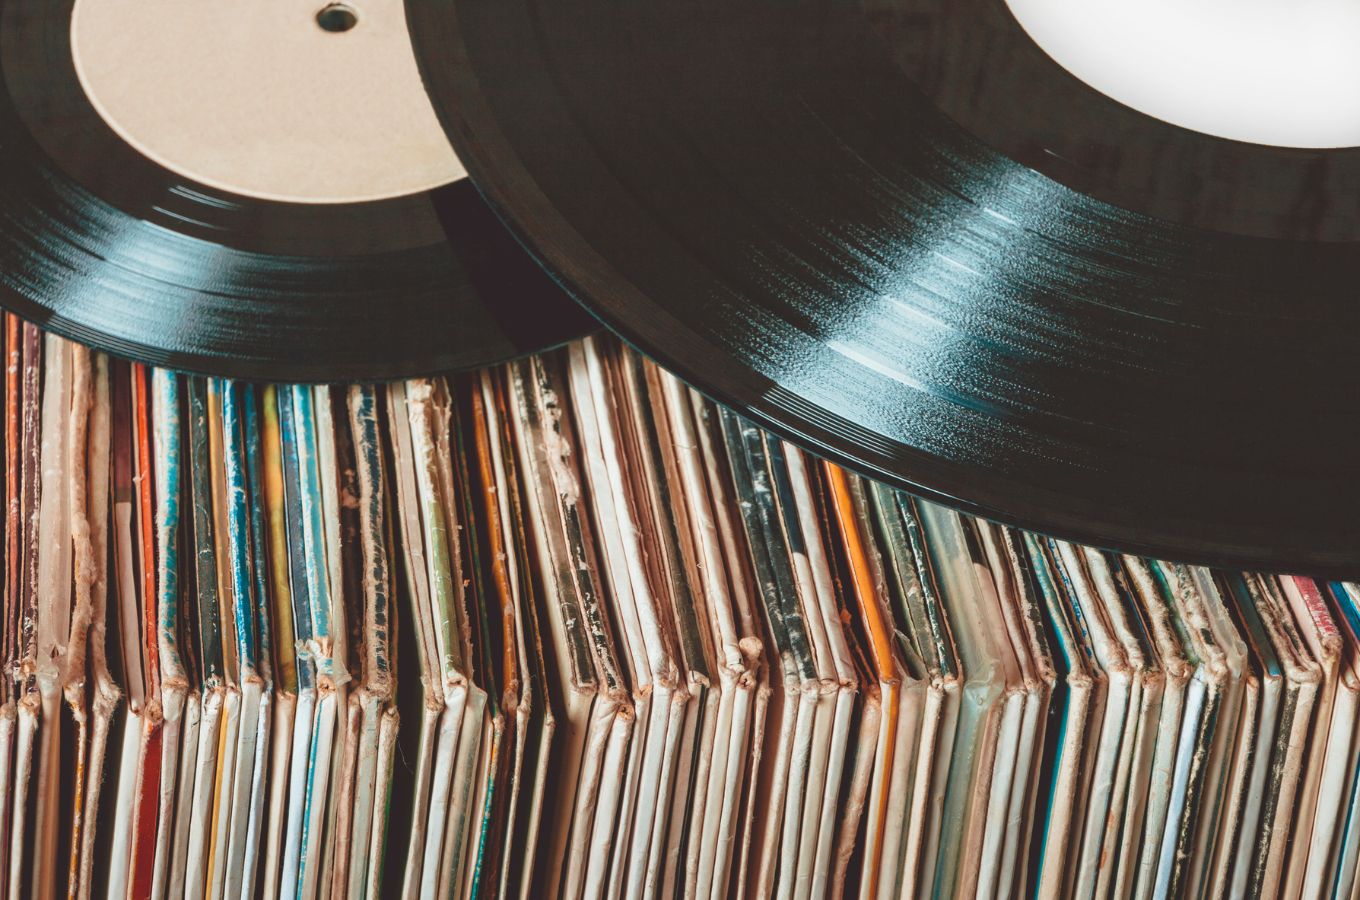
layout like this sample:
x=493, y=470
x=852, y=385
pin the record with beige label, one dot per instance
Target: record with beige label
x=259, y=189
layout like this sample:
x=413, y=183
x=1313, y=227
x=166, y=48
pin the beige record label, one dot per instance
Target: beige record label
x=276, y=99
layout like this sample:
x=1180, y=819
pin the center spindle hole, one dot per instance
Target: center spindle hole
x=337, y=18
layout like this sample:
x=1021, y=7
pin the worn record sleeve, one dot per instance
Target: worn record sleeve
x=1121, y=840
x=417, y=594
x=670, y=589
x=847, y=875
x=915, y=722
x=376, y=694
x=624, y=579
x=638, y=590
x=162, y=450
x=304, y=719
x=534, y=721
x=784, y=767
x=457, y=736
x=128, y=614
x=721, y=590
x=14, y=556
x=53, y=618
x=1075, y=705
x=252, y=428
x=24, y=385
x=76, y=768
x=91, y=852
x=193, y=866
x=922, y=616
x=1161, y=627
x=283, y=642
x=482, y=591
x=811, y=496
x=900, y=868
x=488, y=605
x=632, y=591
x=803, y=825
x=1040, y=643
x=426, y=833
x=451, y=840
x=1344, y=596
x=1334, y=776
x=223, y=790
x=683, y=793
x=568, y=657
x=235, y=819
x=1289, y=753
x=1232, y=746
x=1018, y=610
x=332, y=450
x=178, y=785
x=491, y=749
x=481, y=725
x=1261, y=713
x=103, y=692
x=344, y=800
x=1186, y=849
x=691, y=818
x=322, y=643
x=899, y=697
x=481, y=752
x=732, y=862
x=969, y=787
x=153, y=473
x=1201, y=701
x=770, y=768
x=597, y=711
x=28, y=704
x=445, y=836
x=13, y=562
x=183, y=788
x=1122, y=697
x=1014, y=699
x=1324, y=644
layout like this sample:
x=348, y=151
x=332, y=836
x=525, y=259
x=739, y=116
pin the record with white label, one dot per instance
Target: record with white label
x=905, y=235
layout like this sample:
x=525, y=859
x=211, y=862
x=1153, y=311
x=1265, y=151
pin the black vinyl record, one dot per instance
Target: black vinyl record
x=899, y=233
x=103, y=245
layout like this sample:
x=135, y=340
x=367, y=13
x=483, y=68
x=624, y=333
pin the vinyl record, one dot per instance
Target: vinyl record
x=385, y=264
x=901, y=234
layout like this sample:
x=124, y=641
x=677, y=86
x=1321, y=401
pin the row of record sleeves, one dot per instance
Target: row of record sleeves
x=564, y=628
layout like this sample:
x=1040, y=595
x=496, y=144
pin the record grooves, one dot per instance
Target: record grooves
x=105, y=246
x=901, y=234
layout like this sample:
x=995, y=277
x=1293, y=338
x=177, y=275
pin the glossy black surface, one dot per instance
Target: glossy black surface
x=105, y=246
x=901, y=235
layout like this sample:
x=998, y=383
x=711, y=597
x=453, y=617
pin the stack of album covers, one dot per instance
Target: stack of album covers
x=564, y=628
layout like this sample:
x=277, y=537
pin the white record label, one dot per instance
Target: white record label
x=1263, y=71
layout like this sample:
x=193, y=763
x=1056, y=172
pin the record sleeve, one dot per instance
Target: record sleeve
x=1172, y=655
